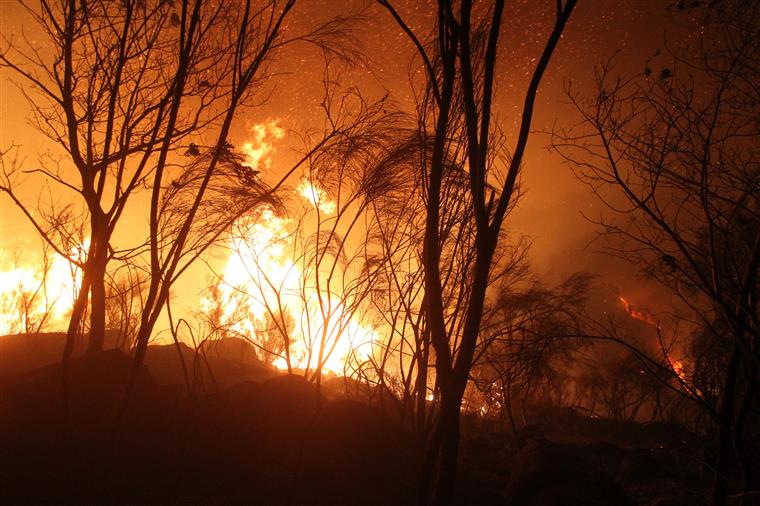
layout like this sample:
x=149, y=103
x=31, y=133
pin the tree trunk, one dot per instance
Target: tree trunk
x=507, y=400
x=77, y=316
x=745, y=463
x=725, y=427
x=421, y=387
x=98, y=303
x=97, y=260
x=445, y=468
x=73, y=331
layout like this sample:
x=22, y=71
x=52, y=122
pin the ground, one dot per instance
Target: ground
x=258, y=436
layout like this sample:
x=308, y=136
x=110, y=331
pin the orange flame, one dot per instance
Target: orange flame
x=264, y=274
x=258, y=151
x=637, y=314
x=261, y=278
x=317, y=196
x=27, y=295
x=679, y=369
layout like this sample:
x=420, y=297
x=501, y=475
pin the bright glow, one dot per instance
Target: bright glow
x=263, y=278
x=678, y=368
x=636, y=313
x=258, y=151
x=16, y=287
x=30, y=297
x=317, y=196
x=268, y=292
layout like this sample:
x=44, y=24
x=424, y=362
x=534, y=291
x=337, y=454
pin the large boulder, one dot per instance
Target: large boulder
x=217, y=365
x=231, y=348
x=20, y=353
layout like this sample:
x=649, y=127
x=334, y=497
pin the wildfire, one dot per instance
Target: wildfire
x=317, y=196
x=267, y=291
x=263, y=284
x=258, y=151
x=677, y=365
x=636, y=313
x=31, y=297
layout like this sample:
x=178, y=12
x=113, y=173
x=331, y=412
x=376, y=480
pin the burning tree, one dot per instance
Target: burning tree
x=674, y=152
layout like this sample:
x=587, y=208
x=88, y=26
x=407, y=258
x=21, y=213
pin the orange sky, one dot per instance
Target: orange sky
x=550, y=212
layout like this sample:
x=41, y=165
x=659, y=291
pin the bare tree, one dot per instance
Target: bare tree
x=531, y=334
x=401, y=361
x=673, y=151
x=460, y=77
x=63, y=229
x=125, y=88
x=107, y=96
x=404, y=362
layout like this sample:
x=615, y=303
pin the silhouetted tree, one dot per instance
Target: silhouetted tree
x=111, y=92
x=460, y=73
x=530, y=336
x=674, y=152
x=125, y=91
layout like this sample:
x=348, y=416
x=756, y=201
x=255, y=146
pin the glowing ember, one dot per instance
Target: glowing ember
x=678, y=368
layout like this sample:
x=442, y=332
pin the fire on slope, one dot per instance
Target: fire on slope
x=270, y=290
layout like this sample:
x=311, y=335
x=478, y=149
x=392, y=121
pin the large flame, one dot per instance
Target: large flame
x=264, y=277
x=267, y=278
x=258, y=150
x=31, y=297
x=316, y=196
